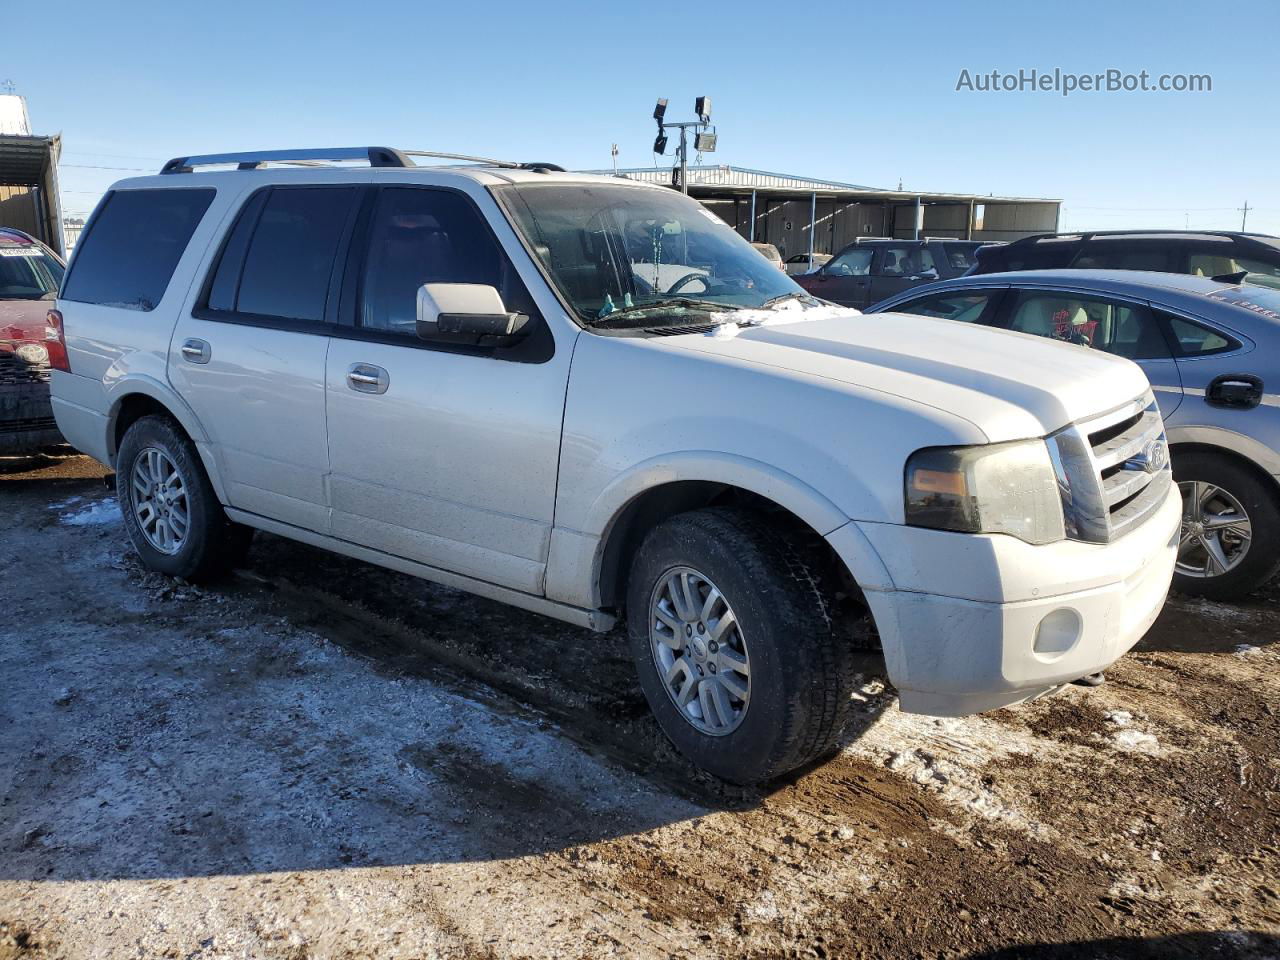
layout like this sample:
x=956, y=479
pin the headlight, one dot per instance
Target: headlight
x=33, y=353
x=1001, y=488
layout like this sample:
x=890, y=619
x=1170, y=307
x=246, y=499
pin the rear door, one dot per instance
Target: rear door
x=250, y=358
x=1126, y=328
x=1206, y=356
x=900, y=266
x=449, y=456
x=846, y=279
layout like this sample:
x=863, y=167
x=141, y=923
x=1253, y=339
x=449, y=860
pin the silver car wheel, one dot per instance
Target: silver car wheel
x=1216, y=531
x=160, y=502
x=699, y=651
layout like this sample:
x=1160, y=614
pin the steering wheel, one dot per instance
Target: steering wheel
x=685, y=279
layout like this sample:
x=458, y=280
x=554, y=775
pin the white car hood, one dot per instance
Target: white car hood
x=1009, y=385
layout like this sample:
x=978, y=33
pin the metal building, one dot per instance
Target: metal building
x=792, y=212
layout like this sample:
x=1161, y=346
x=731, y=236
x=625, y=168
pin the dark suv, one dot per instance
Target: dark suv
x=870, y=269
x=1205, y=253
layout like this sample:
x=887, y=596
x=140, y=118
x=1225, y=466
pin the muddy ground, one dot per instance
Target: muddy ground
x=319, y=758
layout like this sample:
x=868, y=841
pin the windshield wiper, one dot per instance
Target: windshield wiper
x=642, y=308
x=795, y=295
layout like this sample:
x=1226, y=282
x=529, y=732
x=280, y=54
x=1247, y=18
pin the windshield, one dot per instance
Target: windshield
x=622, y=249
x=28, y=273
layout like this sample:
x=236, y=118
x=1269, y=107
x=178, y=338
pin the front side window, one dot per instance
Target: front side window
x=648, y=255
x=421, y=236
x=960, y=256
x=1127, y=330
x=965, y=307
x=854, y=262
x=1122, y=253
x=906, y=261
x=27, y=272
x=132, y=245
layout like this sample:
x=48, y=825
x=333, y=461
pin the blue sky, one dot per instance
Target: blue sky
x=854, y=91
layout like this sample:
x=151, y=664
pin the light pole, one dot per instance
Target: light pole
x=703, y=141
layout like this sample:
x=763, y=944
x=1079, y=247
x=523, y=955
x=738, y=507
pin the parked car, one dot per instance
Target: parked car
x=869, y=270
x=477, y=376
x=1210, y=349
x=29, y=277
x=1202, y=253
x=803, y=263
x=770, y=253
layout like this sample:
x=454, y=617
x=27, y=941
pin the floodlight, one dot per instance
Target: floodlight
x=660, y=110
x=660, y=144
x=705, y=143
x=702, y=109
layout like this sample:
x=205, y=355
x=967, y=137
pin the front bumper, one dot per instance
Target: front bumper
x=972, y=623
x=26, y=418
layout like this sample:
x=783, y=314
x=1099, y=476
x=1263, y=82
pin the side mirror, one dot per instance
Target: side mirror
x=471, y=314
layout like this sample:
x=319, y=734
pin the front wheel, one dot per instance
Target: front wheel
x=733, y=641
x=170, y=510
x=1230, y=540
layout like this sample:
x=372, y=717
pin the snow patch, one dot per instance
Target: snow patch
x=1247, y=650
x=93, y=514
x=1136, y=741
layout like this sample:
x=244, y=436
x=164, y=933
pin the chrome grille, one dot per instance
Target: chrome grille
x=1113, y=470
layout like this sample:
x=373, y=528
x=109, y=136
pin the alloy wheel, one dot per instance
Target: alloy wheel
x=160, y=503
x=1216, y=531
x=699, y=651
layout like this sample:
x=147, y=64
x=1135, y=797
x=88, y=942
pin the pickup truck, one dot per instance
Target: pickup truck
x=592, y=399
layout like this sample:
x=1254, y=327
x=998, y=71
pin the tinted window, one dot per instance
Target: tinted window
x=965, y=307
x=1215, y=264
x=960, y=256
x=905, y=261
x=1194, y=340
x=1038, y=255
x=429, y=236
x=853, y=262
x=131, y=247
x=1121, y=253
x=1127, y=330
x=290, y=258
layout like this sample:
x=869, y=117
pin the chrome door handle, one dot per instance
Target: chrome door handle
x=196, y=351
x=366, y=378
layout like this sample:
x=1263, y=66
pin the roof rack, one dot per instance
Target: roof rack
x=320, y=156
x=1083, y=235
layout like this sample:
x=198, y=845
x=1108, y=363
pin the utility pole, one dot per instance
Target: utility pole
x=703, y=141
x=1244, y=214
x=614, y=151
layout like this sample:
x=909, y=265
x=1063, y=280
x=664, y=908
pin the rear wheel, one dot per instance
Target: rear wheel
x=173, y=517
x=1230, y=539
x=733, y=640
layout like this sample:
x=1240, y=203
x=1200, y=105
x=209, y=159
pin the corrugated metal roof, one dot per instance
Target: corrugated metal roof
x=24, y=160
x=724, y=175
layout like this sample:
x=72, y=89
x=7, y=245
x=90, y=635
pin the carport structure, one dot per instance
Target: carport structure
x=29, y=187
x=801, y=215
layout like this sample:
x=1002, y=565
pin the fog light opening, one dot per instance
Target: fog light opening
x=1058, y=632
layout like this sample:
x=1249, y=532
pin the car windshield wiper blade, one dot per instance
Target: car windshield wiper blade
x=641, y=308
x=795, y=295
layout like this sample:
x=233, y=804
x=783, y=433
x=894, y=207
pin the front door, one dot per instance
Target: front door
x=900, y=266
x=443, y=455
x=846, y=279
x=250, y=359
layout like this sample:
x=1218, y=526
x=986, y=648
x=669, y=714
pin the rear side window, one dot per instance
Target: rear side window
x=1193, y=340
x=1122, y=253
x=130, y=249
x=289, y=262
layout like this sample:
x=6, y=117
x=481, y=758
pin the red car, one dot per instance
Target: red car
x=30, y=274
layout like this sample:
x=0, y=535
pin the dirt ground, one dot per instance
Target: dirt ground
x=319, y=758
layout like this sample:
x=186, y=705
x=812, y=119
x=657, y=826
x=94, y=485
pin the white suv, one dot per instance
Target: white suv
x=590, y=398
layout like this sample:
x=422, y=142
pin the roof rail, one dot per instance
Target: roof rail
x=375, y=156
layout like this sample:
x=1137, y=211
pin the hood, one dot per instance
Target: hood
x=23, y=319
x=1009, y=385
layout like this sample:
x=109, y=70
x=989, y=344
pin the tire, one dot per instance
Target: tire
x=204, y=544
x=801, y=673
x=1260, y=501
